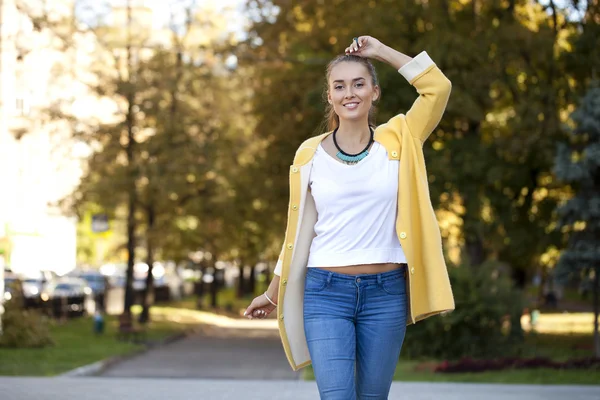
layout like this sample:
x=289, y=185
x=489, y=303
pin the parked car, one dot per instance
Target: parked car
x=67, y=296
x=11, y=284
x=99, y=285
x=95, y=280
x=30, y=289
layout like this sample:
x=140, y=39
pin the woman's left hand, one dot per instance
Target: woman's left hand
x=367, y=46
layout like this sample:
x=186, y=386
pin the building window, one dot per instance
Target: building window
x=21, y=107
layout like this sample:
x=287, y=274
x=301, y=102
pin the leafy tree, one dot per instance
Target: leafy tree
x=489, y=161
x=578, y=163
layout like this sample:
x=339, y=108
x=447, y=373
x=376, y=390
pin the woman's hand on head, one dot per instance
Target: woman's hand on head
x=259, y=308
x=367, y=47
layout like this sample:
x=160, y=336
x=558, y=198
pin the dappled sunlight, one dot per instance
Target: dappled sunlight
x=561, y=323
x=186, y=316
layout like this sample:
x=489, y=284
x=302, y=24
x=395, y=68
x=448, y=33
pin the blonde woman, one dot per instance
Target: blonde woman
x=362, y=255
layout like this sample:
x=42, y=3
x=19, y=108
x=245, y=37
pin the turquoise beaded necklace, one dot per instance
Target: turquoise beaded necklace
x=352, y=158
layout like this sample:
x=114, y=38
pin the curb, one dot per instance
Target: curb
x=98, y=367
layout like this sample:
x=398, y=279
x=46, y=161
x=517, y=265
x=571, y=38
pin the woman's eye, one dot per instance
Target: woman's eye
x=338, y=87
x=359, y=84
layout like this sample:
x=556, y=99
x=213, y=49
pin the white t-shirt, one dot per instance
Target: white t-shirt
x=356, y=207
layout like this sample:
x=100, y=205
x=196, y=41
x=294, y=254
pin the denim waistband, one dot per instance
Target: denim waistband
x=366, y=278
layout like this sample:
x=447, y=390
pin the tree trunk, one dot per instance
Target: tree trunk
x=200, y=289
x=241, y=288
x=471, y=225
x=148, y=296
x=130, y=252
x=252, y=281
x=132, y=192
x=214, y=287
x=519, y=277
x=596, y=311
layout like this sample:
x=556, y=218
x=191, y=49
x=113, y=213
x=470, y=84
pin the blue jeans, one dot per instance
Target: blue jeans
x=354, y=326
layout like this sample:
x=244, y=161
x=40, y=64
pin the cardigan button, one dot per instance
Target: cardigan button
x=294, y=207
x=290, y=246
x=294, y=169
x=281, y=317
x=402, y=235
x=394, y=154
x=284, y=282
x=412, y=271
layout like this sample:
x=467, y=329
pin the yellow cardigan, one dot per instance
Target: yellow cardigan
x=428, y=285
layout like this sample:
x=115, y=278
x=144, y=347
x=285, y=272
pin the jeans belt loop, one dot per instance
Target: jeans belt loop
x=329, y=275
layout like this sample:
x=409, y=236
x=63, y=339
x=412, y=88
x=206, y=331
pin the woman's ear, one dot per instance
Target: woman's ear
x=329, y=97
x=376, y=93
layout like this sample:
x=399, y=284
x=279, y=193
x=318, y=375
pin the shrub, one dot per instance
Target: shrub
x=21, y=327
x=485, y=323
x=471, y=365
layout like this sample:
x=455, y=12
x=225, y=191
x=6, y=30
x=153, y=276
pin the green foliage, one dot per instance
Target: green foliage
x=485, y=323
x=23, y=328
x=213, y=144
x=493, y=150
x=578, y=164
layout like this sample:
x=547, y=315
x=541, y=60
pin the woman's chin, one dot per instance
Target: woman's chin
x=354, y=116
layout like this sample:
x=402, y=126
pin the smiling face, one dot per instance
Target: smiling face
x=351, y=91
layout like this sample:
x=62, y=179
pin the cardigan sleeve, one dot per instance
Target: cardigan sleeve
x=434, y=90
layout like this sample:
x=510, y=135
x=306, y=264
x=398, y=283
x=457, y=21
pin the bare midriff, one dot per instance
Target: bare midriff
x=363, y=268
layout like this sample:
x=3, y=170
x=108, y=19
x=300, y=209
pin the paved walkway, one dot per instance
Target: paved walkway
x=213, y=353
x=187, y=389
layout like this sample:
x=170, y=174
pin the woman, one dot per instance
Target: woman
x=362, y=255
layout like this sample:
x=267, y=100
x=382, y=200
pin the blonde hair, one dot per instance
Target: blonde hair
x=332, y=120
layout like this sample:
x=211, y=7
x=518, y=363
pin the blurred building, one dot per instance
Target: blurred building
x=46, y=65
x=38, y=165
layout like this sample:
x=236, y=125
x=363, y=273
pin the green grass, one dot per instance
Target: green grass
x=556, y=347
x=407, y=371
x=76, y=345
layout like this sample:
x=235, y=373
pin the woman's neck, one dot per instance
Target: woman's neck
x=353, y=132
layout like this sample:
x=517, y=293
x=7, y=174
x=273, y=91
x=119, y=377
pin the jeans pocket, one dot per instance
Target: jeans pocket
x=314, y=284
x=394, y=286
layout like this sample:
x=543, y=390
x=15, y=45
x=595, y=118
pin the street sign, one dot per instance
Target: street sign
x=100, y=223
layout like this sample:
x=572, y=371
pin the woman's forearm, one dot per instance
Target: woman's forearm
x=273, y=289
x=392, y=57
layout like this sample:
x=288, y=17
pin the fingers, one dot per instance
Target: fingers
x=357, y=45
x=362, y=40
x=256, y=313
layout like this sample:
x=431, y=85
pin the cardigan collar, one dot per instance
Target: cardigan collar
x=307, y=150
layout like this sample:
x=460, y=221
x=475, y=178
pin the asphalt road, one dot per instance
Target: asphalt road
x=199, y=389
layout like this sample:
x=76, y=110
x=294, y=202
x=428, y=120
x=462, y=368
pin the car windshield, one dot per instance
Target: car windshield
x=93, y=278
x=65, y=286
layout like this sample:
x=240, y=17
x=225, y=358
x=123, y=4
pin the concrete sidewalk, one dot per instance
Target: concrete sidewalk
x=98, y=388
x=212, y=353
